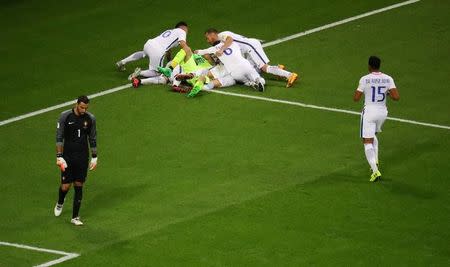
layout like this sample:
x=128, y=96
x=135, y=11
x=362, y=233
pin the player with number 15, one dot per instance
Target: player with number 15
x=375, y=86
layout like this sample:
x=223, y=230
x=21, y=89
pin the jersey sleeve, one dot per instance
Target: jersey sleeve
x=210, y=50
x=223, y=36
x=181, y=35
x=392, y=84
x=361, y=85
x=60, y=128
x=93, y=135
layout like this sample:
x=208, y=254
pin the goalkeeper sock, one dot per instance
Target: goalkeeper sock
x=275, y=70
x=199, y=83
x=62, y=196
x=77, y=201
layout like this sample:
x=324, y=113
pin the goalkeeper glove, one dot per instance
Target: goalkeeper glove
x=61, y=162
x=93, y=164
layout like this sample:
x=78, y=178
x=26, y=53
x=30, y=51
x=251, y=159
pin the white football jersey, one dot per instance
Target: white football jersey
x=170, y=38
x=223, y=36
x=375, y=87
x=232, y=57
x=243, y=42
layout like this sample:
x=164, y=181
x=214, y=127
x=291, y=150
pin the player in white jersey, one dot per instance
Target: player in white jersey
x=235, y=64
x=252, y=49
x=375, y=86
x=156, y=48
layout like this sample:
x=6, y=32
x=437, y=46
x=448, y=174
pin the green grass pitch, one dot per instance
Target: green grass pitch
x=221, y=180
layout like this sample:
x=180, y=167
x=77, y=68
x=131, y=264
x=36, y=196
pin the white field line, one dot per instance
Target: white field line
x=65, y=104
x=337, y=23
x=275, y=42
x=66, y=255
x=292, y=103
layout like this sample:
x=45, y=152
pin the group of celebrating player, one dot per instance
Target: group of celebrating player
x=231, y=59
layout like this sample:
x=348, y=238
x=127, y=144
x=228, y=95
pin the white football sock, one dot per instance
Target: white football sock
x=278, y=72
x=154, y=80
x=375, y=147
x=208, y=86
x=370, y=156
x=149, y=73
x=133, y=57
x=227, y=81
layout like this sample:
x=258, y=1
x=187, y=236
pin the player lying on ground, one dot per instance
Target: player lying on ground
x=75, y=133
x=193, y=69
x=155, y=49
x=216, y=77
x=375, y=86
x=252, y=50
x=182, y=63
x=198, y=72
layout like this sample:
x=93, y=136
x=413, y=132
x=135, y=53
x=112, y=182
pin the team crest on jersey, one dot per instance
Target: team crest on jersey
x=85, y=124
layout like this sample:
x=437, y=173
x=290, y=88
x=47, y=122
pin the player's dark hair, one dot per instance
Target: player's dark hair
x=181, y=23
x=83, y=99
x=374, y=62
x=211, y=30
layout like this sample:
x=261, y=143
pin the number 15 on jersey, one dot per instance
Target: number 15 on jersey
x=378, y=93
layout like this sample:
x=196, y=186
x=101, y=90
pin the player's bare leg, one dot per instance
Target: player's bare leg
x=78, y=187
x=369, y=150
x=62, y=192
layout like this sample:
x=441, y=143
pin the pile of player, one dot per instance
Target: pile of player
x=231, y=59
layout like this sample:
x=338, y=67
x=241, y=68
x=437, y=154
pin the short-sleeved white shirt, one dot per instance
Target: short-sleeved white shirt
x=170, y=38
x=375, y=87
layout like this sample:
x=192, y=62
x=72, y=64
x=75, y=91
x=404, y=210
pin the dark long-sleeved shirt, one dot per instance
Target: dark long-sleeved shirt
x=76, y=133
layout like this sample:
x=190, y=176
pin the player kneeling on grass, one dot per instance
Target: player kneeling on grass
x=76, y=131
x=375, y=86
x=156, y=49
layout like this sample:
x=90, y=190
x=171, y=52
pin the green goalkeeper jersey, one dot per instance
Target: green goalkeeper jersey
x=194, y=64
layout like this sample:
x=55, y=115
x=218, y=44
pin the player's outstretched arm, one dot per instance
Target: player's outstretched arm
x=202, y=52
x=226, y=44
x=185, y=47
x=393, y=94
